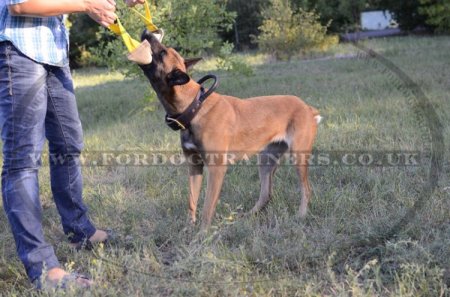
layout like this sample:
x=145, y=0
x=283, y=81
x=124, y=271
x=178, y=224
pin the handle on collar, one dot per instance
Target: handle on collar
x=215, y=84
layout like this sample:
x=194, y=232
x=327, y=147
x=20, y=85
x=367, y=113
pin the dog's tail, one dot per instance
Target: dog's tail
x=316, y=115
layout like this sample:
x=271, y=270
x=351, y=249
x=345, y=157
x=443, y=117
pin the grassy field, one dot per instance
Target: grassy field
x=341, y=249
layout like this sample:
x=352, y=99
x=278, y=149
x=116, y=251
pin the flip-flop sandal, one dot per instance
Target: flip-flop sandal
x=70, y=280
x=86, y=244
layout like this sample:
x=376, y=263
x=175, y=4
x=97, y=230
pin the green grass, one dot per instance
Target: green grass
x=331, y=253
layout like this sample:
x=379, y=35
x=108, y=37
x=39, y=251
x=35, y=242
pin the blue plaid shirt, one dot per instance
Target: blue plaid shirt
x=44, y=40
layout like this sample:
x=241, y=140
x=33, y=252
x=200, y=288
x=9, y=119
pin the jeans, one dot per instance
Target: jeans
x=37, y=101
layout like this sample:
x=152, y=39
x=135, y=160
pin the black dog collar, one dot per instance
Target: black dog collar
x=183, y=121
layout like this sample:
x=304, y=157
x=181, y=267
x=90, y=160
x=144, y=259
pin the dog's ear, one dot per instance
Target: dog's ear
x=177, y=78
x=189, y=63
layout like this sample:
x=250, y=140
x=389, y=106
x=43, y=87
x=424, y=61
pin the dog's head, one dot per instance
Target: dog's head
x=167, y=70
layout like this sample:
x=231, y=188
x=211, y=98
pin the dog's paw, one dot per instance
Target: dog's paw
x=241, y=214
x=190, y=221
x=190, y=225
x=199, y=237
x=302, y=212
x=248, y=214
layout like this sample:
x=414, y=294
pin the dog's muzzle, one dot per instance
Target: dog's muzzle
x=142, y=55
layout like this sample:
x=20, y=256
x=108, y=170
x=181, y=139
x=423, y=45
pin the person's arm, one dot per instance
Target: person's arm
x=101, y=11
x=132, y=3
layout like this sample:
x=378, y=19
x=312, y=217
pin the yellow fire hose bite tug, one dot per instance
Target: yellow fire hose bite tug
x=139, y=52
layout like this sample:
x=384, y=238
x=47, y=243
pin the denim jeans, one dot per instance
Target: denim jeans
x=37, y=101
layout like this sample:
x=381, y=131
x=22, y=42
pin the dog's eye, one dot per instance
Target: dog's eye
x=163, y=53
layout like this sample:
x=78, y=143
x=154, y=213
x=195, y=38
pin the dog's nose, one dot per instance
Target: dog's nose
x=152, y=36
x=146, y=35
x=149, y=36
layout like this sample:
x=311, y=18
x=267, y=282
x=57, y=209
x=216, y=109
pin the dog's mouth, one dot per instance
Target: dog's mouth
x=142, y=55
x=151, y=42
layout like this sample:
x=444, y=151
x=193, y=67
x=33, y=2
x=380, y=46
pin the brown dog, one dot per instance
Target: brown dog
x=224, y=126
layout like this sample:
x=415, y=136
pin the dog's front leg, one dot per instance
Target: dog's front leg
x=215, y=177
x=195, y=183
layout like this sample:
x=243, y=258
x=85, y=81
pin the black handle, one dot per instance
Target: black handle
x=202, y=80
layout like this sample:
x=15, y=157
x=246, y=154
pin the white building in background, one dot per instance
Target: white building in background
x=377, y=20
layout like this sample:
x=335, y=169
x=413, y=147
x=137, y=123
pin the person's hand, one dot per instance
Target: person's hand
x=132, y=3
x=101, y=11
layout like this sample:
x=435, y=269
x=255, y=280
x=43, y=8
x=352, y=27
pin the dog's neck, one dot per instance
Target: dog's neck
x=179, y=98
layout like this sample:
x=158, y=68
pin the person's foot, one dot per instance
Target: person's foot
x=57, y=277
x=100, y=236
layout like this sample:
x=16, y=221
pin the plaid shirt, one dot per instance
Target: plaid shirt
x=44, y=40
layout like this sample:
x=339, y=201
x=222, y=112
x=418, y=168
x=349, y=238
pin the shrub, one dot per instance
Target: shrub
x=232, y=63
x=285, y=33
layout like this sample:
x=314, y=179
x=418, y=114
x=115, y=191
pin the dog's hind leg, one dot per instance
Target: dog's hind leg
x=195, y=182
x=302, y=171
x=268, y=162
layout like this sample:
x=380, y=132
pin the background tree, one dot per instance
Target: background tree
x=412, y=14
x=248, y=19
x=84, y=34
x=350, y=11
x=339, y=15
x=285, y=32
x=406, y=13
x=437, y=13
x=328, y=11
x=194, y=27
